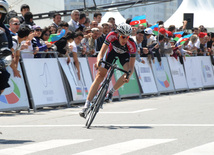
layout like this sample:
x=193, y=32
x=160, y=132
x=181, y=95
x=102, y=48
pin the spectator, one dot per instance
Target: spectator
x=52, y=29
x=93, y=24
x=134, y=30
x=45, y=34
x=203, y=44
x=56, y=20
x=138, y=40
x=209, y=44
x=110, y=27
x=93, y=42
x=63, y=25
x=82, y=20
x=100, y=27
x=97, y=17
x=128, y=20
x=44, y=40
x=32, y=46
x=14, y=26
x=172, y=28
x=166, y=46
x=102, y=38
x=24, y=9
x=84, y=50
x=160, y=22
x=193, y=46
x=149, y=36
x=74, y=22
x=87, y=22
x=63, y=47
x=42, y=47
x=154, y=49
x=18, y=44
x=28, y=20
x=141, y=27
x=112, y=21
x=77, y=40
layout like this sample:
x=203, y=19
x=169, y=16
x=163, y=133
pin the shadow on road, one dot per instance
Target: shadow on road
x=4, y=141
x=120, y=127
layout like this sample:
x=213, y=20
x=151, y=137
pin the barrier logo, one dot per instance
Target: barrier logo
x=206, y=71
x=12, y=97
x=162, y=75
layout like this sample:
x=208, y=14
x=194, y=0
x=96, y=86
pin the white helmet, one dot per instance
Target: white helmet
x=4, y=6
x=124, y=29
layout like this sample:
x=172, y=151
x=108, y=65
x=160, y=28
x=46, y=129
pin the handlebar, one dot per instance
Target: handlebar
x=114, y=66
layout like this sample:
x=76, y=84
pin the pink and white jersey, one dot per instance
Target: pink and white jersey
x=112, y=41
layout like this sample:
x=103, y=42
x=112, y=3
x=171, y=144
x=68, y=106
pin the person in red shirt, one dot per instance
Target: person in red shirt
x=117, y=44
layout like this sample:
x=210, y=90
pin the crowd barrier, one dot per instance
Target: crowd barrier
x=52, y=82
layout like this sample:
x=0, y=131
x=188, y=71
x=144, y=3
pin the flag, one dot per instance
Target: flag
x=155, y=29
x=86, y=90
x=139, y=20
x=185, y=38
x=55, y=37
x=178, y=35
x=79, y=90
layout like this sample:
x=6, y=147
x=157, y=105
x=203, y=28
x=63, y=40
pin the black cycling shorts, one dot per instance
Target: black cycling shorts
x=110, y=56
x=4, y=77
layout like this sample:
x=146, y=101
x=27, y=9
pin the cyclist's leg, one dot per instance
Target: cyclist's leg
x=121, y=80
x=93, y=90
x=109, y=57
x=95, y=85
x=124, y=60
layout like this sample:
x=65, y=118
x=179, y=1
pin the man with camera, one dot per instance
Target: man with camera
x=5, y=46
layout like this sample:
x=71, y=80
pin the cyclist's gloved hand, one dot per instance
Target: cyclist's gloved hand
x=126, y=77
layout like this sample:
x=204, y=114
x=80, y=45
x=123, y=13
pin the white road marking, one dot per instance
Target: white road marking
x=126, y=112
x=121, y=125
x=125, y=147
x=206, y=149
x=40, y=146
x=120, y=112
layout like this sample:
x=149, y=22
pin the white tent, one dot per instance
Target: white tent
x=117, y=16
x=203, y=11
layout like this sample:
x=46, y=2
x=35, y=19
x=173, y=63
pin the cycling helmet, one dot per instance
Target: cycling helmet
x=124, y=29
x=4, y=8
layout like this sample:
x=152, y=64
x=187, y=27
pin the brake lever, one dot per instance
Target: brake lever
x=101, y=60
x=127, y=74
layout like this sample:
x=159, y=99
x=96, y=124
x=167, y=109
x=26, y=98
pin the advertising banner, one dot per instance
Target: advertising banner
x=193, y=72
x=15, y=97
x=128, y=89
x=92, y=61
x=79, y=87
x=207, y=71
x=146, y=78
x=178, y=74
x=45, y=82
x=162, y=76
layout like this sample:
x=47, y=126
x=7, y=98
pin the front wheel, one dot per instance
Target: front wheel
x=96, y=106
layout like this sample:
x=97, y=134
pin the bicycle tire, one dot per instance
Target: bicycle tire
x=96, y=106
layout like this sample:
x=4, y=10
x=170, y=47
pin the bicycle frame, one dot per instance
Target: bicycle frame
x=101, y=93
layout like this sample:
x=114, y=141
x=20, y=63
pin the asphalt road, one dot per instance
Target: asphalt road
x=181, y=124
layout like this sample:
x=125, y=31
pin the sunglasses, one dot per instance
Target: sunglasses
x=124, y=37
x=46, y=34
x=16, y=23
x=38, y=30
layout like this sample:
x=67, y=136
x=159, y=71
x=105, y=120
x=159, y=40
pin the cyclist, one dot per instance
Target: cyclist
x=117, y=44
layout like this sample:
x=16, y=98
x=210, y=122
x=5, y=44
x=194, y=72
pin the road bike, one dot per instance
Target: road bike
x=101, y=93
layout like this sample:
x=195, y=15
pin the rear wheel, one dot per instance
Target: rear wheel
x=96, y=106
